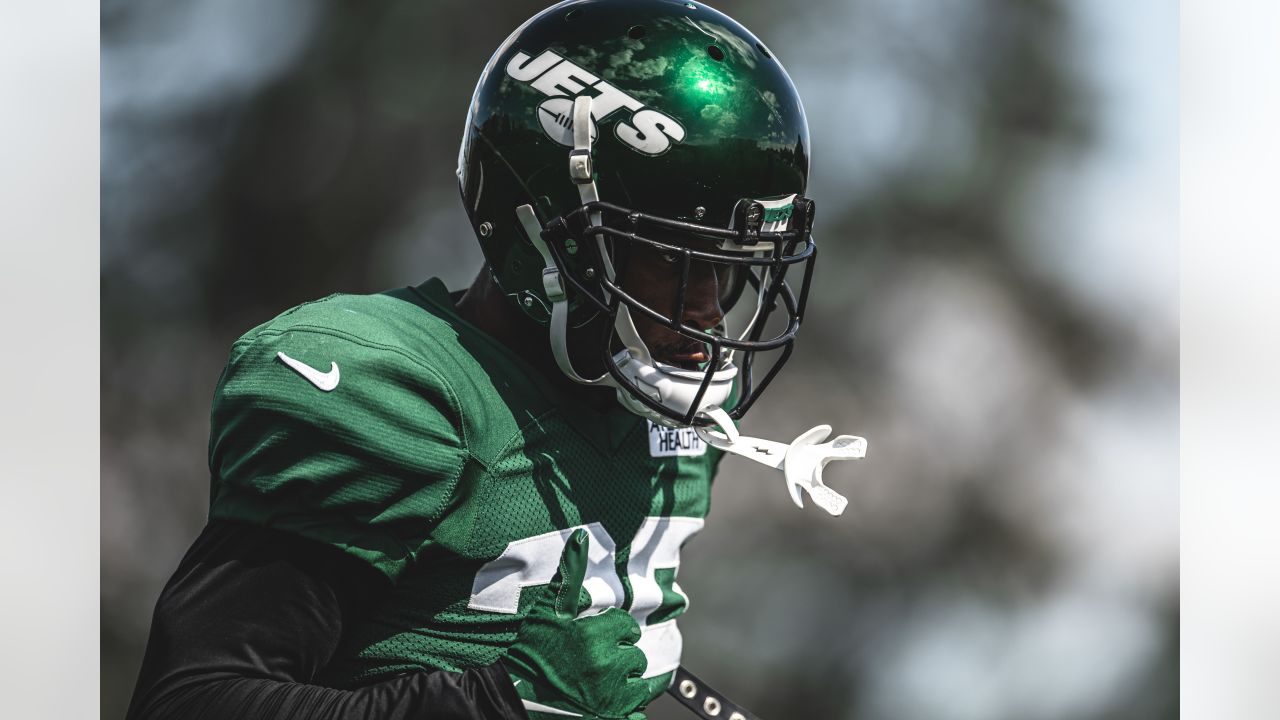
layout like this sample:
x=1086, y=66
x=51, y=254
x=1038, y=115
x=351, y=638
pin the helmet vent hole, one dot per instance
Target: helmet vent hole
x=573, y=14
x=763, y=50
x=715, y=52
x=636, y=32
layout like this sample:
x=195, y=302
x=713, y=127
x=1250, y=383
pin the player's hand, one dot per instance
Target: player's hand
x=569, y=666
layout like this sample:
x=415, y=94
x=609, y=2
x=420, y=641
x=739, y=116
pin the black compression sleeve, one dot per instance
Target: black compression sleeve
x=248, y=622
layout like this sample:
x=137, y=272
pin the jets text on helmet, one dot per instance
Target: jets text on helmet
x=649, y=131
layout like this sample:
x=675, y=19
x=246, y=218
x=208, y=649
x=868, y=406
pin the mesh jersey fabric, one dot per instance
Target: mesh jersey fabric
x=448, y=464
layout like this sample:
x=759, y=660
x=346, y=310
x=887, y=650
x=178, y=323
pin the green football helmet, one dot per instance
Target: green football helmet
x=601, y=124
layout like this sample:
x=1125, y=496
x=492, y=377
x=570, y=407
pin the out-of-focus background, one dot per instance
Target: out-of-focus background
x=995, y=309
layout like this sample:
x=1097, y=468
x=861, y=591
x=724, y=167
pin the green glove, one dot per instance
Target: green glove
x=569, y=666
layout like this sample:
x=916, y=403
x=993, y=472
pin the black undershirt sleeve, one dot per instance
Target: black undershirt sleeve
x=248, y=622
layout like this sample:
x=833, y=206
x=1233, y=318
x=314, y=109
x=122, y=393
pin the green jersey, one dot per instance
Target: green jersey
x=388, y=427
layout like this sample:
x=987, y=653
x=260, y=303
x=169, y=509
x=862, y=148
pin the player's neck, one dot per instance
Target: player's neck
x=488, y=308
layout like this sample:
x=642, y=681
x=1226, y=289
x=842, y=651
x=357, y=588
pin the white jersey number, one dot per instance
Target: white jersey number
x=656, y=546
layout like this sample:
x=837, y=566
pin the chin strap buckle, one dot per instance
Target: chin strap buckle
x=801, y=461
x=581, y=170
x=581, y=167
x=553, y=284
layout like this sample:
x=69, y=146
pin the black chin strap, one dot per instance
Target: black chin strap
x=702, y=700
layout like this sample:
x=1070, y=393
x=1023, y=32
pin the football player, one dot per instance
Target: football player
x=435, y=504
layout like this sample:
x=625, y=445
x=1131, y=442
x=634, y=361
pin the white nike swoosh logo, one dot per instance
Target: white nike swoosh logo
x=326, y=381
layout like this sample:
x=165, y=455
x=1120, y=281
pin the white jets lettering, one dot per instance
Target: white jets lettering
x=653, y=132
x=649, y=131
x=564, y=78
x=610, y=99
x=523, y=70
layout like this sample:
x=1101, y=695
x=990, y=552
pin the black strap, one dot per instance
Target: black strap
x=703, y=701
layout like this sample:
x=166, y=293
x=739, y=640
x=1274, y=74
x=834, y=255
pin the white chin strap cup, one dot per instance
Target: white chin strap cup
x=801, y=462
x=671, y=386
